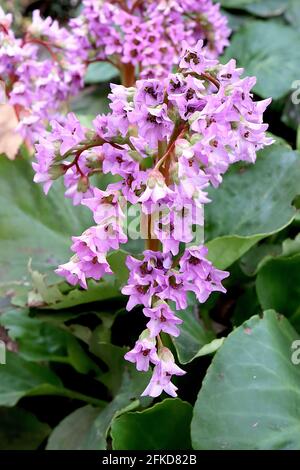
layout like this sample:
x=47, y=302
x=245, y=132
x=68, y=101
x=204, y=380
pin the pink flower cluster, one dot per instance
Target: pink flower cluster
x=40, y=71
x=166, y=140
x=146, y=33
x=153, y=282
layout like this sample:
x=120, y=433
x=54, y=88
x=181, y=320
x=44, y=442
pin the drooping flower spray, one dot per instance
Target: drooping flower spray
x=167, y=140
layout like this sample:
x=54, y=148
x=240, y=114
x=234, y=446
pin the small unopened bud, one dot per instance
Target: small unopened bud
x=155, y=178
x=83, y=184
x=146, y=335
x=91, y=135
x=165, y=354
x=57, y=153
x=94, y=160
x=57, y=170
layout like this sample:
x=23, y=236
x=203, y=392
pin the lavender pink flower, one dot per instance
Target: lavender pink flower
x=166, y=142
x=42, y=71
x=143, y=353
x=147, y=34
x=162, y=375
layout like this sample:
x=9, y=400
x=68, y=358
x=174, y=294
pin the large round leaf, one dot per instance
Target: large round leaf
x=278, y=286
x=21, y=430
x=235, y=3
x=64, y=437
x=39, y=340
x=253, y=202
x=100, y=72
x=266, y=8
x=293, y=13
x=19, y=378
x=261, y=48
x=250, y=397
x=95, y=424
x=194, y=338
x=152, y=430
x=33, y=225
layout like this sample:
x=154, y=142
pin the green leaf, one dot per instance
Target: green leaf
x=37, y=340
x=210, y=348
x=90, y=102
x=267, y=8
x=235, y=21
x=42, y=293
x=81, y=332
x=235, y=3
x=292, y=13
x=117, y=261
x=33, y=225
x=260, y=47
x=278, y=286
x=19, y=378
x=291, y=247
x=193, y=335
x=95, y=428
x=79, y=359
x=250, y=396
x=41, y=341
x=100, y=72
x=251, y=261
x=21, y=430
x=223, y=251
x=64, y=436
x=291, y=113
x=246, y=306
x=254, y=201
x=105, y=289
x=113, y=356
x=151, y=430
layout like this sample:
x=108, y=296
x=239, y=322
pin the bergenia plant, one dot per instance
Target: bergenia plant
x=45, y=68
x=41, y=71
x=142, y=37
x=165, y=141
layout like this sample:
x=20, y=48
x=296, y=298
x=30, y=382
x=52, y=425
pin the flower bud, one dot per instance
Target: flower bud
x=83, y=184
x=57, y=170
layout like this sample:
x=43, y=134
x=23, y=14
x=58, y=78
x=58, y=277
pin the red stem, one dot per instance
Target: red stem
x=96, y=143
x=136, y=4
x=205, y=76
x=75, y=162
x=4, y=29
x=210, y=78
x=177, y=134
x=28, y=40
